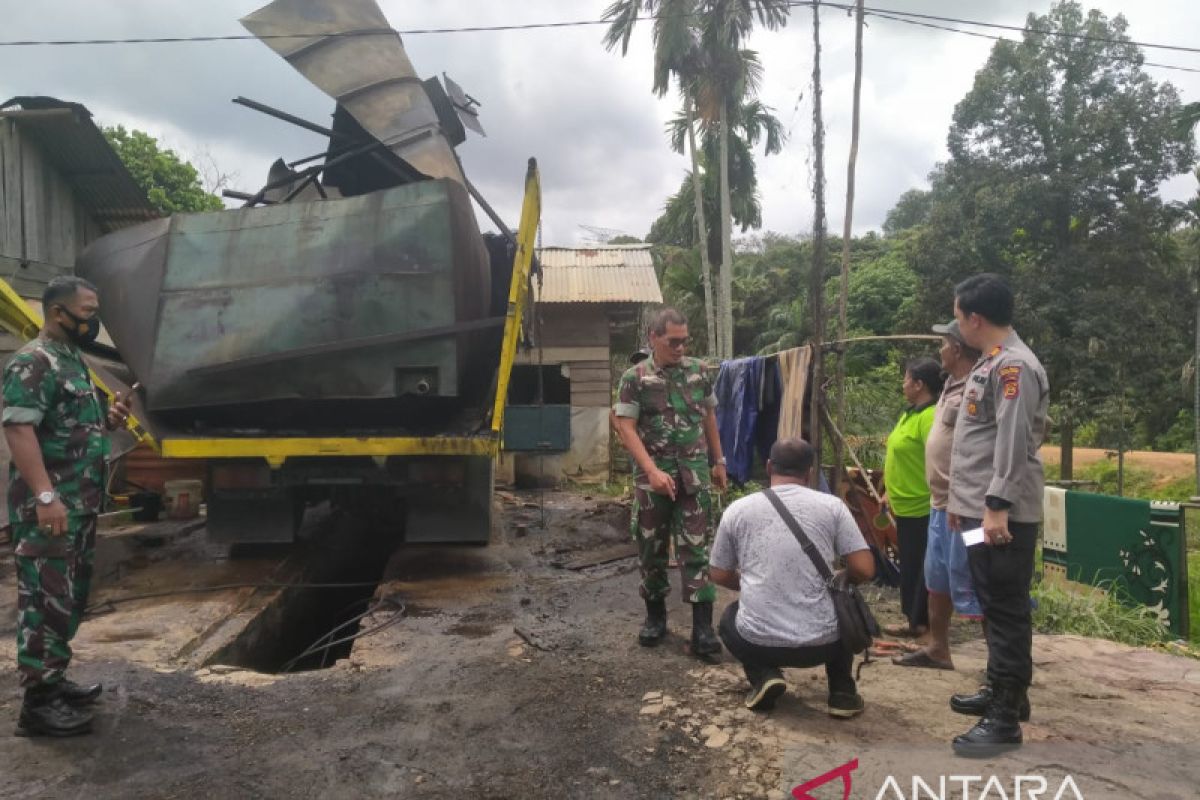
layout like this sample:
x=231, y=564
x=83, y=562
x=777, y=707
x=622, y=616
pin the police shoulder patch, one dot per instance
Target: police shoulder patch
x=1010, y=380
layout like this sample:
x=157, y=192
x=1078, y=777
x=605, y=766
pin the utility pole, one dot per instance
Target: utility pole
x=847, y=225
x=817, y=276
x=1196, y=374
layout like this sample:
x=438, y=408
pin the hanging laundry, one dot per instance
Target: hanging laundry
x=793, y=372
x=769, y=398
x=738, y=391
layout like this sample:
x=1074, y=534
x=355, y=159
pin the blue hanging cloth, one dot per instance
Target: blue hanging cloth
x=739, y=392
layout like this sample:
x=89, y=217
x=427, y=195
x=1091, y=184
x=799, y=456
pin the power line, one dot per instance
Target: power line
x=994, y=38
x=241, y=37
x=1020, y=29
x=907, y=17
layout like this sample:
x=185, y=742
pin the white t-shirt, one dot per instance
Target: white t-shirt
x=784, y=602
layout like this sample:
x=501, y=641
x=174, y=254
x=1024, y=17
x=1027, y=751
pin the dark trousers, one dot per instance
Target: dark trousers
x=913, y=533
x=759, y=661
x=1002, y=576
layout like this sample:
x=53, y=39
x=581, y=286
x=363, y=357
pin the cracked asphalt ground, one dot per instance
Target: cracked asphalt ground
x=515, y=673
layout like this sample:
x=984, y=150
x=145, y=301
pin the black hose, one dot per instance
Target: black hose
x=312, y=650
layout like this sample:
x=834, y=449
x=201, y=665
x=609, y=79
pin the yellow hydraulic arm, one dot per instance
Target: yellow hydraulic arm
x=20, y=320
x=518, y=291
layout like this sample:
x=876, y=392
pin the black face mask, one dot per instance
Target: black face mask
x=86, y=328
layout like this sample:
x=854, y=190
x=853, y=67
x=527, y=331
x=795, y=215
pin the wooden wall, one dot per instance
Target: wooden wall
x=576, y=336
x=42, y=226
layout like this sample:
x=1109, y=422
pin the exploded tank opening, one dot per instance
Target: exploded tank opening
x=315, y=623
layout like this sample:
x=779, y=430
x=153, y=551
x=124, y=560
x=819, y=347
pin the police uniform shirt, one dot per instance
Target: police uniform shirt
x=1001, y=424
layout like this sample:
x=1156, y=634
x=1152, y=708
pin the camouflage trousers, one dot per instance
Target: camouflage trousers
x=655, y=518
x=54, y=575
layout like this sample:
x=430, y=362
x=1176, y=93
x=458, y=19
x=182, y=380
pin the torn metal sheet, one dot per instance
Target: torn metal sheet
x=368, y=73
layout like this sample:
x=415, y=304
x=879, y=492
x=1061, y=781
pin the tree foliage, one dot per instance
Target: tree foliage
x=1057, y=154
x=753, y=123
x=171, y=184
x=1056, y=157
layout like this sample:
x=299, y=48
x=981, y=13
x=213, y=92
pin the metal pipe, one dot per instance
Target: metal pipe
x=286, y=117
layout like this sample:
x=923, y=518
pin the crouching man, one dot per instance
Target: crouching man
x=785, y=617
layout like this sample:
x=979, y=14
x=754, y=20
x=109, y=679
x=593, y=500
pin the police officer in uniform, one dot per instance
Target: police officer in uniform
x=996, y=483
x=665, y=418
x=54, y=424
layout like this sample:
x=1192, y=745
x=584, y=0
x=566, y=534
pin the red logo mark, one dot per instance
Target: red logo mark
x=801, y=792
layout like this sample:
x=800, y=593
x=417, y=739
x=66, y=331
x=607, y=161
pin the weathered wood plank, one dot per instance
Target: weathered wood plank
x=560, y=355
x=601, y=376
x=591, y=399
x=33, y=216
x=574, y=325
x=10, y=189
x=588, y=365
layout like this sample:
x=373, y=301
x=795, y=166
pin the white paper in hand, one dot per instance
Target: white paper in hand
x=973, y=537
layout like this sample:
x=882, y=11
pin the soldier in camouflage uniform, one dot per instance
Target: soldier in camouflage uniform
x=666, y=420
x=54, y=423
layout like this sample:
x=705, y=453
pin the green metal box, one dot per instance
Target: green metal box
x=541, y=429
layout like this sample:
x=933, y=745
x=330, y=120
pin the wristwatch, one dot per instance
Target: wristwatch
x=720, y=461
x=46, y=498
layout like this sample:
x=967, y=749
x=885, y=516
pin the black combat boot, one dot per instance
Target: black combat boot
x=77, y=695
x=975, y=705
x=46, y=712
x=997, y=731
x=655, y=627
x=704, y=640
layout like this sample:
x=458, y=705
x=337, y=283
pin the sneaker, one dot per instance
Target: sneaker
x=763, y=696
x=845, y=705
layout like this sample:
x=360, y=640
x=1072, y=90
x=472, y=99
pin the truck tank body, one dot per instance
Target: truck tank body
x=265, y=314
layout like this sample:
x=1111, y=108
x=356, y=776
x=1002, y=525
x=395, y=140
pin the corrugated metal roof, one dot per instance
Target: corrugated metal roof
x=78, y=150
x=609, y=274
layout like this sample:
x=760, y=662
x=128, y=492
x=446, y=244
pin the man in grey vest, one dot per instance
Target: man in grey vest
x=996, y=483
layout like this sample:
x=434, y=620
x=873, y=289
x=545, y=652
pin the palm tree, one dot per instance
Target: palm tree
x=676, y=54
x=752, y=122
x=699, y=43
x=725, y=26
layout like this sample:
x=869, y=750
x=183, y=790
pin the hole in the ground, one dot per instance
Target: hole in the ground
x=306, y=627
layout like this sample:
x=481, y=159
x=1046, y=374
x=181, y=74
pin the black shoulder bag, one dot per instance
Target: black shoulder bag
x=856, y=624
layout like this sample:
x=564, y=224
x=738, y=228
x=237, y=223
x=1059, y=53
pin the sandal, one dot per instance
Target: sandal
x=886, y=648
x=921, y=658
x=901, y=630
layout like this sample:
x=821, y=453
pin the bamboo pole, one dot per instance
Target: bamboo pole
x=847, y=227
x=817, y=276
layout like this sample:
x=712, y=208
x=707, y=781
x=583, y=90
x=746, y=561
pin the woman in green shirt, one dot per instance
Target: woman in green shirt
x=907, y=493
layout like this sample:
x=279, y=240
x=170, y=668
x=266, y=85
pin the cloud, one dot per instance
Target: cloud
x=587, y=115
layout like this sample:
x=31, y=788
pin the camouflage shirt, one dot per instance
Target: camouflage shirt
x=670, y=405
x=47, y=385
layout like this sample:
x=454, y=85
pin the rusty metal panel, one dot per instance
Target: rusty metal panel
x=203, y=290
x=611, y=274
x=369, y=74
x=620, y=255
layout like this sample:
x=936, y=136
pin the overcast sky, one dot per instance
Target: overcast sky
x=586, y=114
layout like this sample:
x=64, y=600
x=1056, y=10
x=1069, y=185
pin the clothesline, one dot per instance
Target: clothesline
x=856, y=339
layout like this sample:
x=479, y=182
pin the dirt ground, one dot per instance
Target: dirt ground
x=1166, y=466
x=514, y=673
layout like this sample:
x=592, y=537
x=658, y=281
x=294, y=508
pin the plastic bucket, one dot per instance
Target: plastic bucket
x=183, y=498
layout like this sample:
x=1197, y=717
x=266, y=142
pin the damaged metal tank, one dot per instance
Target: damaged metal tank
x=357, y=292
